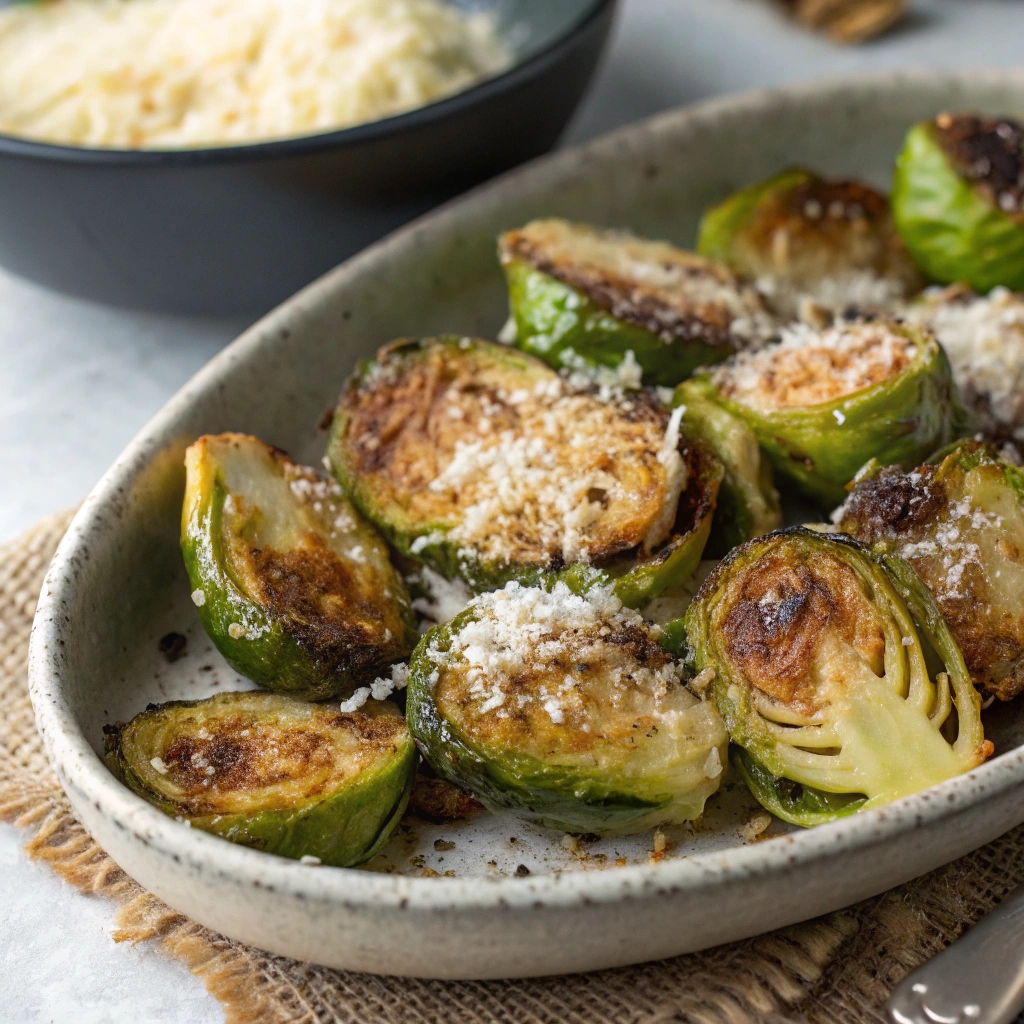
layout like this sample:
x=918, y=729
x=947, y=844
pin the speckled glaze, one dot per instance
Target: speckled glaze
x=117, y=583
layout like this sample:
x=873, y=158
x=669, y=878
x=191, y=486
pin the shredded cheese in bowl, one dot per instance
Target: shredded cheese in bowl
x=137, y=74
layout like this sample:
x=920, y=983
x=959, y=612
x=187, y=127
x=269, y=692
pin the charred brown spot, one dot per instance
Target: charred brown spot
x=324, y=604
x=263, y=757
x=779, y=611
x=989, y=153
x=893, y=504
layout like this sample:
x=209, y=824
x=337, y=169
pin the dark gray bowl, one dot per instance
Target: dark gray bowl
x=238, y=229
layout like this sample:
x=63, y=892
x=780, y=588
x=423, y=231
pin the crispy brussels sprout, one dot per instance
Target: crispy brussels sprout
x=272, y=772
x=481, y=462
x=801, y=237
x=579, y=293
x=816, y=658
x=296, y=591
x=565, y=709
x=823, y=403
x=983, y=337
x=960, y=524
x=748, y=503
x=958, y=199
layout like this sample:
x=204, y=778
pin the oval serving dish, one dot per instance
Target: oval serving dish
x=117, y=586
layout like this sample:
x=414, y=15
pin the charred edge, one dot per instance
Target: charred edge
x=893, y=504
x=626, y=300
x=989, y=153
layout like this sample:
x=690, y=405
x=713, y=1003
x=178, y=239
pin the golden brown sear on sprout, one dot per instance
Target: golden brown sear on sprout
x=673, y=294
x=780, y=613
x=542, y=474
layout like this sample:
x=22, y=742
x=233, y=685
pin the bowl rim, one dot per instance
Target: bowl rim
x=317, y=142
x=84, y=774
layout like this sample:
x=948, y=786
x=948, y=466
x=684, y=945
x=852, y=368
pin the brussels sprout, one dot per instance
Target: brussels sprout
x=816, y=658
x=958, y=199
x=577, y=292
x=748, y=503
x=272, y=772
x=483, y=463
x=801, y=237
x=983, y=338
x=821, y=404
x=296, y=591
x=565, y=709
x=960, y=524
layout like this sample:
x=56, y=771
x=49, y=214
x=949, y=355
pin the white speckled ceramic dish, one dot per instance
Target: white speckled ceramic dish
x=117, y=585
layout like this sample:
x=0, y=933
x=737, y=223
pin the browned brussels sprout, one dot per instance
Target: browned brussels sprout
x=960, y=524
x=805, y=239
x=565, y=709
x=483, y=463
x=580, y=293
x=292, y=585
x=958, y=199
x=272, y=772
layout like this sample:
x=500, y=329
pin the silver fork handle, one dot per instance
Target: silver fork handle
x=979, y=979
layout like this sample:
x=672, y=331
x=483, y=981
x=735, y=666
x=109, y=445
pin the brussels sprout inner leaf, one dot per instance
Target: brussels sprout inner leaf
x=272, y=772
x=294, y=588
x=564, y=708
x=820, y=671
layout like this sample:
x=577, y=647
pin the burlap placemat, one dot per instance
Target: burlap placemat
x=839, y=968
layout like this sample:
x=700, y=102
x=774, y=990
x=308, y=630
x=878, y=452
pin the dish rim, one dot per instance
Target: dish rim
x=82, y=770
x=316, y=142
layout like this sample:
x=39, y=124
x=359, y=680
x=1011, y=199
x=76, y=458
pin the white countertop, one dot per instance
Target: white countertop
x=78, y=380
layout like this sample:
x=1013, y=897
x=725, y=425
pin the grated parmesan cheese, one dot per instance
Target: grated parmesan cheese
x=180, y=73
x=984, y=339
x=809, y=367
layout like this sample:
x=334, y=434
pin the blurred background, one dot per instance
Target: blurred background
x=79, y=378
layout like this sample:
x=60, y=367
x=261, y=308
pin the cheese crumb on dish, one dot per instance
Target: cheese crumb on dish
x=814, y=367
x=984, y=339
x=135, y=74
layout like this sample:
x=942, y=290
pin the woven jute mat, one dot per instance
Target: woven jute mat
x=839, y=968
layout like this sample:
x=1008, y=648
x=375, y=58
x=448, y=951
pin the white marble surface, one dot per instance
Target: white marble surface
x=77, y=381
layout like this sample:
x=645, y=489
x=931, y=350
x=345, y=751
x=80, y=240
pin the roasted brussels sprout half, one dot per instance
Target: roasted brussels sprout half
x=816, y=657
x=565, y=709
x=803, y=239
x=272, y=772
x=579, y=293
x=822, y=403
x=293, y=587
x=748, y=503
x=983, y=337
x=958, y=199
x=483, y=463
x=960, y=524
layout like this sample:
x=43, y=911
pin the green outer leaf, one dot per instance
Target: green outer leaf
x=344, y=828
x=561, y=797
x=552, y=318
x=950, y=228
x=721, y=226
x=790, y=801
x=266, y=653
x=748, y=503
x=899, y=422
